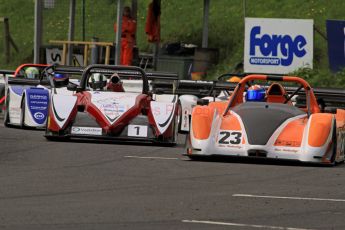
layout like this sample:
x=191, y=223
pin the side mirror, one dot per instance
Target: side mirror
x=202, y=102
x=71, y=87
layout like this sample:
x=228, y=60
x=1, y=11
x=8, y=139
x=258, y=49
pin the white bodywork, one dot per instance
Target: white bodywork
x=15, y=106
x=186, y=102
x=211, y=145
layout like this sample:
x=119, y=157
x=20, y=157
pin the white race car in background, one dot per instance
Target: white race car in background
x=3, y=75
x=193, y=92
x=27, y=96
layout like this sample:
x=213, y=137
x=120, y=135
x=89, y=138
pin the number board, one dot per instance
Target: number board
x=229, y=137
x=137, y=130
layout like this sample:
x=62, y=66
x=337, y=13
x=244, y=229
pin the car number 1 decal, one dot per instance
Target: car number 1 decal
x=229, y=137
x=137, y=130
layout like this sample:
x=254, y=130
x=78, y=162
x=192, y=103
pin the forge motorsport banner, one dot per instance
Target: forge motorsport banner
x=278, y=46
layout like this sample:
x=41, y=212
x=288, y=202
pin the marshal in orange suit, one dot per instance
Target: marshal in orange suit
x=152, y=26
x=128, y=36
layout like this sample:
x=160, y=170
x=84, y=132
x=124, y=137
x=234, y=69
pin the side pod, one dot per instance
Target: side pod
x=201, y=121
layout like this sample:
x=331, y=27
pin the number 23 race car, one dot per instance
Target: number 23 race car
x=269, y=128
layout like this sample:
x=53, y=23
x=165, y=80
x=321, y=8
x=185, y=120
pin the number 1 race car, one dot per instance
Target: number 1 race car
x=272, y=128
x=104, y=107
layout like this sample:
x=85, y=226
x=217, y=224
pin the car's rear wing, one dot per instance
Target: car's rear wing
x=329, y=98
x=6, y=72
x=193, y=87
x=122, y=73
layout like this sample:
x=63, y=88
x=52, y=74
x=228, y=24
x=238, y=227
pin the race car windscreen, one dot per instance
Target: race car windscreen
x=288, y=91
x=115, y=82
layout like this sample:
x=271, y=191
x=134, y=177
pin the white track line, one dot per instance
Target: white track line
x=288, y=197
x=241, y=225
x=160, y=158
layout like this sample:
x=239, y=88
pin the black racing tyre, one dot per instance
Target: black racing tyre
x=177, y=124
x=179, y=114
x=334, y=144
x=2, y=94
x=196, y=158
x=53, y=138
x=22, y=114
x=7, y=112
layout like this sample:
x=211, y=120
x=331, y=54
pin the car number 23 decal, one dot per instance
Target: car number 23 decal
x=229, y=137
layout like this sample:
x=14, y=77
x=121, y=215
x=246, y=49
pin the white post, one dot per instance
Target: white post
x=118, y=32
x=71, y=31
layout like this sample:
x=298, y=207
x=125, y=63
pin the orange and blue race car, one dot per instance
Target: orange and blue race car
x=267, y=121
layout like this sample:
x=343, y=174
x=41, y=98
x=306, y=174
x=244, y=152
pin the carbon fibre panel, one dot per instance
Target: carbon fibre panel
x=261, y=119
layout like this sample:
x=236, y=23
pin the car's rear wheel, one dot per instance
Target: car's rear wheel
x=7, y=112
x=2, y=94
x=195, y=158
x=179, y=114
x=334, y=145
x=22, y=114
x=177, y=127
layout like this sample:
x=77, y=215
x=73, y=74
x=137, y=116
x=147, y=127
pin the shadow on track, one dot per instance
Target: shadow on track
x=257, y=160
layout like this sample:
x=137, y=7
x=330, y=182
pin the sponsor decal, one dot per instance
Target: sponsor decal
x=113, y=105
x=37, y=101
x=86, y=130
x=275, y=45
x=38, y=97
x=286, y=150
x=39, y=116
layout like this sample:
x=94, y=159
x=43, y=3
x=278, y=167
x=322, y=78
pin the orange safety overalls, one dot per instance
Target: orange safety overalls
x=127, y=40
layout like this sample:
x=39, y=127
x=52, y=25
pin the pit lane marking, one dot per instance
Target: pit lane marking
x=158, y=158
x=241, y=225
x=288, y=197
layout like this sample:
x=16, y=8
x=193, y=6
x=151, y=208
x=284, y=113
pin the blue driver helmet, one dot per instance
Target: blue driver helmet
x=58, y=76
x=255, y=93
x=60, y=79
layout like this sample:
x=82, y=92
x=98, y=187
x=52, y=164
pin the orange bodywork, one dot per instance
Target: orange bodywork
x=319, y=129
x=202, y=121
x=230, y=122
x=292, y=134
x=202, y=118
x=340, y=117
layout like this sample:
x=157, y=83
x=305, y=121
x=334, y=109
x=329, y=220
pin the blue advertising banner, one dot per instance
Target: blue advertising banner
x=336, y=44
